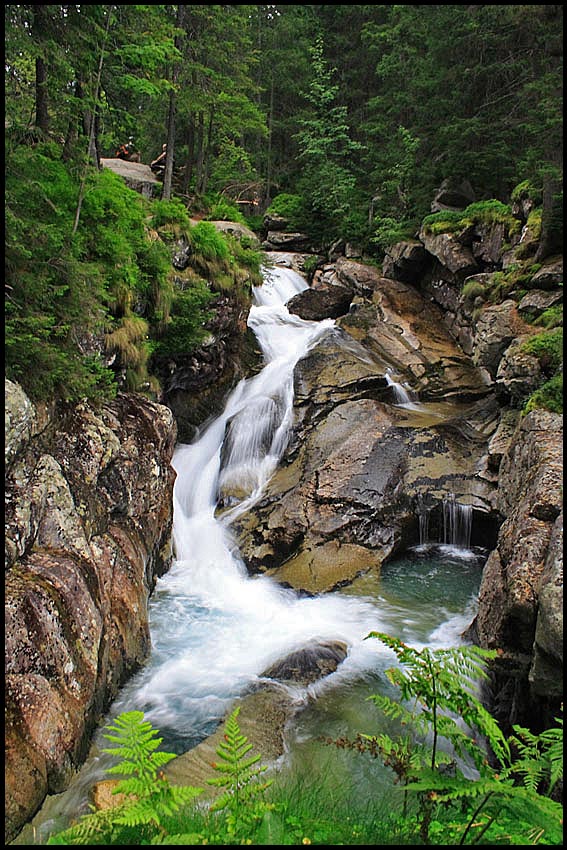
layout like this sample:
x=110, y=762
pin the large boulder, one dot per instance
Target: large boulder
x=136, y=175
x=453, y=195
x=403, y=328
x=345, y=497
x=405, y=261
x=88, y=525
x=449, y=250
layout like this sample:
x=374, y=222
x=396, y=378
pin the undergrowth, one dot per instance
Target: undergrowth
x=441, y=726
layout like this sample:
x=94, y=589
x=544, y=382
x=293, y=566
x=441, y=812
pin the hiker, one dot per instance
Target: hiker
x=128, y=152
x=158, y=164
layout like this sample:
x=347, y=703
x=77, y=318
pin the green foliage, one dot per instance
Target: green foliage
x=389, y=230
x=547, y=346
x=540, y=757
x=251, y=810
x=453, y=808
x=550, y=318
x=480, y=212
x=290, y=207
x=171, y=211
x=239, y=774
x=443, y=680
x=549, y=396
x=150, y=799
x=206, y=241
x=221, y=209
x=526, y=191
x=185, y=327
x=325, y=146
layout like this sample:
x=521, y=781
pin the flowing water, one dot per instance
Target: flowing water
x=215, y=628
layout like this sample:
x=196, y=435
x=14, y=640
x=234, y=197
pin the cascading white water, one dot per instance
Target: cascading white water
x=215, y=628
x=457, y=522
x=402, y=396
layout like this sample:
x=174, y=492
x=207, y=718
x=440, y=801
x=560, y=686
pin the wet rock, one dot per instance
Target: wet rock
x=345, y=495
x=406, y=331
x=324, y=302
x=277, y=240
x=309, y=663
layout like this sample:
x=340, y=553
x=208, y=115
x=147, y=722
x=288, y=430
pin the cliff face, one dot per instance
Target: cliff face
x=88, y=521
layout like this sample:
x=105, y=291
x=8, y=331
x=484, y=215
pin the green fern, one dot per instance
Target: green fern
x=151, y=799
x=239, y=774
x=441, y=681
x=540, y=757
x=441, y=685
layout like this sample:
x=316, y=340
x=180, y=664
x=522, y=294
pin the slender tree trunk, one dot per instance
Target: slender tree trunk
x=168, y=174
x=190, y=140
x=92, y=129
x=41, y=91
x=208, y=146
x=267, y=199
x=41, y=99
x=200, y=153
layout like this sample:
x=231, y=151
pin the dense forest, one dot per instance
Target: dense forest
x=345, y=118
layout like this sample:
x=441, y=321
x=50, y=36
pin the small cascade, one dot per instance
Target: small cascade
x=402, y=396
x=456, y=527
x=457, y=523
x=423, y=513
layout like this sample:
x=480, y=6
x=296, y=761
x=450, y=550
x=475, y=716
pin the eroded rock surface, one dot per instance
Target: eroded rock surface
x=88, y=526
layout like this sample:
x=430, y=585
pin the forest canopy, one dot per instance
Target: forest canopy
x=354, y=113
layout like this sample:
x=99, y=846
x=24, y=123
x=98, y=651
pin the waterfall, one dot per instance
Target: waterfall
x=423, y=517
x=402, y=396
x=457, y=523
x=214, y=627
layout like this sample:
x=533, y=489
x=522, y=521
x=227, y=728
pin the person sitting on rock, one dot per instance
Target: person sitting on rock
x=128, y=152
x=158, y=164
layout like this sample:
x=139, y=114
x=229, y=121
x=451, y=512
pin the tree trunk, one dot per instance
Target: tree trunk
x=200, y=152
x=188, y=172
x=550, y=241
x=39, y=28
x=41, y=99
x=168, y=173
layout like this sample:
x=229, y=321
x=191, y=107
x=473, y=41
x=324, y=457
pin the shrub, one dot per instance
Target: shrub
x=549, y=396
x=547, y=346
x=290, y=207
x=480, y=212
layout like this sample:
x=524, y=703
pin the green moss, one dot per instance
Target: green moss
x=473, y=289
x=480, y=212
x=526, y=191
x=550, y=318
x=549, y=396
x=547, y=346
x=290, y=207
